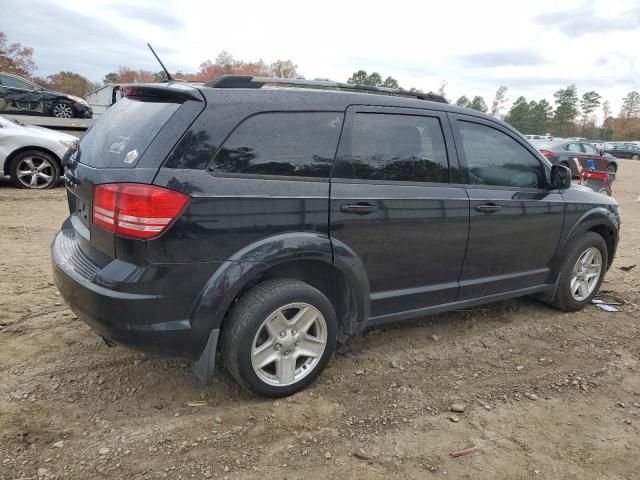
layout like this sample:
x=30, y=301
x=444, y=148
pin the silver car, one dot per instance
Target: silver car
x=31, y=155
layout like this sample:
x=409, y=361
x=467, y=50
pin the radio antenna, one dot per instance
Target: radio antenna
x=169, y=77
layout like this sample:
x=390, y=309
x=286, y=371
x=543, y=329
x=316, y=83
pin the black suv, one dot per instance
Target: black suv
x=19, y=96
x=267, y=223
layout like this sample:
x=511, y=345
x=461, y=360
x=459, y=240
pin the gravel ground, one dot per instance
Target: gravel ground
x=537, y=392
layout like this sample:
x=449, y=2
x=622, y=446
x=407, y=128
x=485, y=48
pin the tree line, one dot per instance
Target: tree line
x=569, y=115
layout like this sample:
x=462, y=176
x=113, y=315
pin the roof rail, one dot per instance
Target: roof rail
x=248, y=81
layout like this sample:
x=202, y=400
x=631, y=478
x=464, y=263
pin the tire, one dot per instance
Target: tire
x=253, y=334
x=611, y=168
x=565, y=299
x=63, y=110
x=34, y=169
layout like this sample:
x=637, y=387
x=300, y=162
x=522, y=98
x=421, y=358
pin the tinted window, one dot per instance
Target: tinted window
x=590, y=149
x=494, y=158
x=123, y=133
x=13, y=82
x=396, y=148
x=290, y=144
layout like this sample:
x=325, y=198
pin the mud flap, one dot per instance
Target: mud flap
x=203, y=367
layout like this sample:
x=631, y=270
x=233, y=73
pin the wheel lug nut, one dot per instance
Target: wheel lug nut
x=283, y=333
x=286, y=353
x=278, y=347
x=294, y=331
x=297, y=343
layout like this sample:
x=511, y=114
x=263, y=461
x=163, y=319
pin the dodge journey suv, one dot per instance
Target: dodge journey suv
x=266, y=223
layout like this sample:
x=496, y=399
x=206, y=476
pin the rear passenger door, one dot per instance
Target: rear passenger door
x=395, y=204
x=515, y=220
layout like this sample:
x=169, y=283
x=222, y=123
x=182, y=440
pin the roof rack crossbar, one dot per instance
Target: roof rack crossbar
x=248, y=81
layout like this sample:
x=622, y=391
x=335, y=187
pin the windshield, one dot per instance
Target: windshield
x=121, y=136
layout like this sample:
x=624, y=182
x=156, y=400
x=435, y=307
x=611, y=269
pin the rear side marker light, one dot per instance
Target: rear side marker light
x=136, y=211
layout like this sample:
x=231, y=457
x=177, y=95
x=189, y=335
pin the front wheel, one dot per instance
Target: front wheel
x=279, y=337
x=62, y=110
x=581, y=273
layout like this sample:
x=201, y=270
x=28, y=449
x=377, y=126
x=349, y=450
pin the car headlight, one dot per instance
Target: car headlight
x=66, y=143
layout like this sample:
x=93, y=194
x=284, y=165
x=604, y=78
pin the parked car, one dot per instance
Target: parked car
x=572, y=153
x=269, y=223
x=623, y=150
x=20, y=96
x=538, y=137
x=31, y=155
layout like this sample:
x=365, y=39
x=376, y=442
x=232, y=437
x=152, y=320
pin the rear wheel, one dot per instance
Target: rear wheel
x=581, y=273
x=34, y=169
x=611, y=168
x=63, y=110
x=279, y=337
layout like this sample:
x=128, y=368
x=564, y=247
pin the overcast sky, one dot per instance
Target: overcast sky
x=533, y=48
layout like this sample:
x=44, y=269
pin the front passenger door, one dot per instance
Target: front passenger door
x=515, y=220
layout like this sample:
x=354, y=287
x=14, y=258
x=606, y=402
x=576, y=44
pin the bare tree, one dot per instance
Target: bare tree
x=499, y=100
x=441, y=89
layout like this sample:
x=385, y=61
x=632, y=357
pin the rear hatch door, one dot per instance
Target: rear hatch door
x=128, y=143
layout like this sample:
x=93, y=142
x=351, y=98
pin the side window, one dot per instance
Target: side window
x=572, y=147
x=13, y=82
x=590, y=149
x=395, y=148
x=494, y=158
x=290, y=144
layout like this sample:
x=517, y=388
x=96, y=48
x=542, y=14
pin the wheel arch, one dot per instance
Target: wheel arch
x=598, y=220
x=18, y=151
x=306, y=256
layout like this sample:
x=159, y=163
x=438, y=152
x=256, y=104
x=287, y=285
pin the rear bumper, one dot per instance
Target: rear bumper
x=144, y=307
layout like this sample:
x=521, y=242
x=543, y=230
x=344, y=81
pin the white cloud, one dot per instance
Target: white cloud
x=534, y=48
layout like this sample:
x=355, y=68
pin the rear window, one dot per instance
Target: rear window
x=121, y=135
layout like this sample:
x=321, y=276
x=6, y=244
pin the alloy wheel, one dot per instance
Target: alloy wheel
x=35, y=172
x=63, y=110
x=289, y=344
x=586, y=274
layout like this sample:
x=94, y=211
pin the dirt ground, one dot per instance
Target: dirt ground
x=546, y=394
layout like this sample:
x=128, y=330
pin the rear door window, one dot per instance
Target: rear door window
x=122, y=134
x=393, y=147
x=296, y=144
x=572, y=147
x=495, y=158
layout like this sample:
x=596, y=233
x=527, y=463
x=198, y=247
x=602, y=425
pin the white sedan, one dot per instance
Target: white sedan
x=31, y=155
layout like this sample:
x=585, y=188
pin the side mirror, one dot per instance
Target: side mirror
x=560, y=177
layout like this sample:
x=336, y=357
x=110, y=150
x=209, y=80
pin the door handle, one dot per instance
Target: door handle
x=487, y=208
x=361, y=208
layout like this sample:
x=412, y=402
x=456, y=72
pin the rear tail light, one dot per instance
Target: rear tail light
x=136, y=211
x=546, y=153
